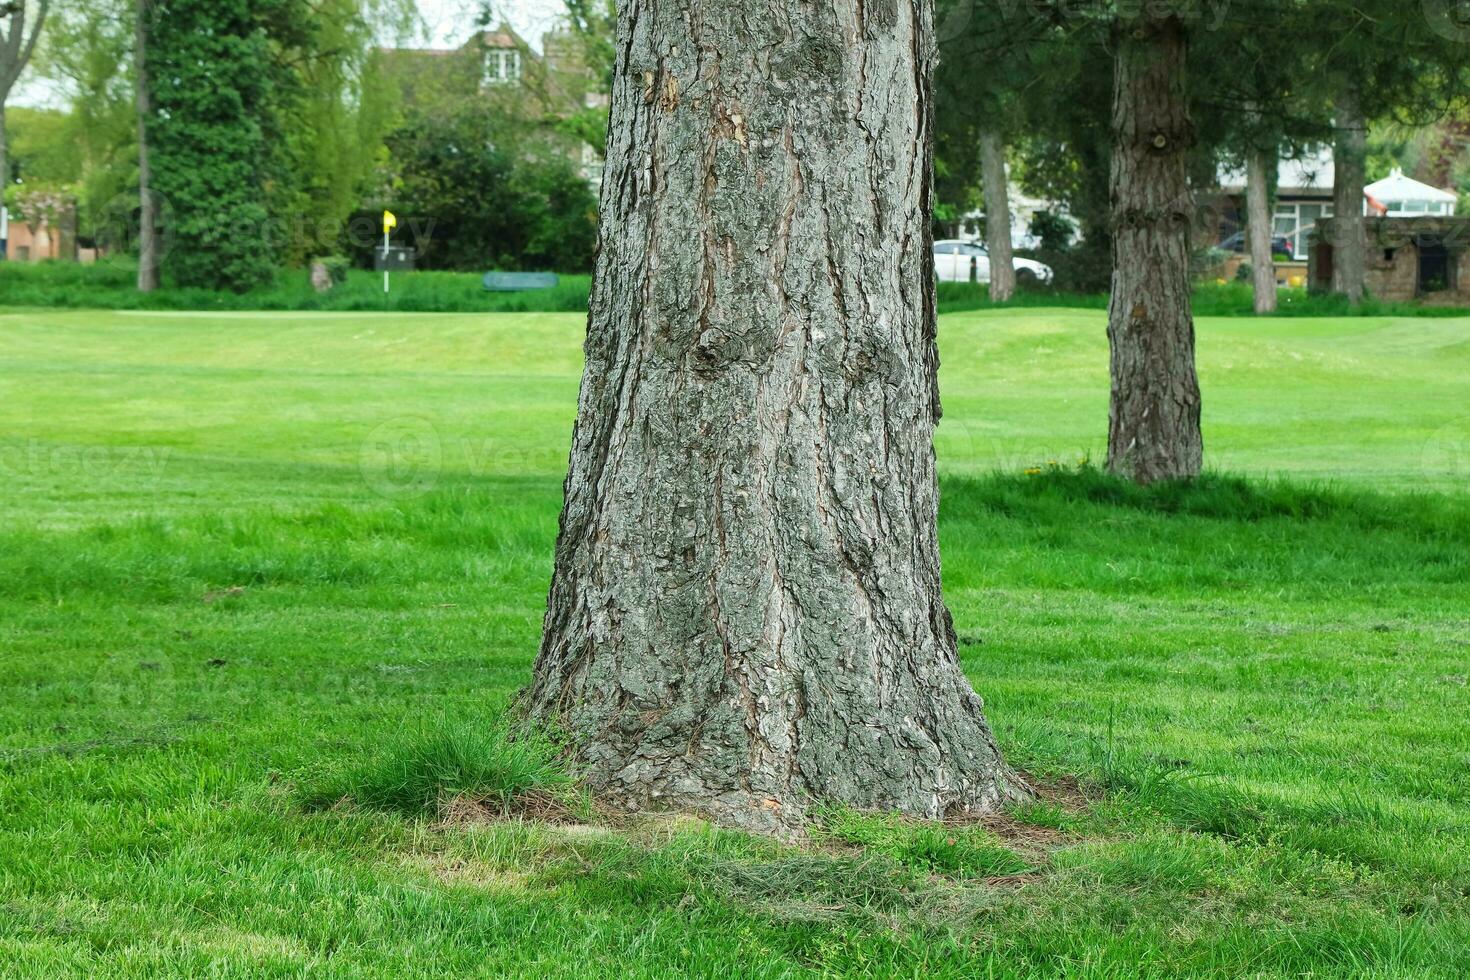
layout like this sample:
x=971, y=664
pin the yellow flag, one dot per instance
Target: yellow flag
x=390, y=220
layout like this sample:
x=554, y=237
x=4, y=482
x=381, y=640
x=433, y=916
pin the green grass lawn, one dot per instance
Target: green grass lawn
x=245, y=557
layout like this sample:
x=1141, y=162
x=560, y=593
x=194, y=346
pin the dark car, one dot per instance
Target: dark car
x=1280, y=244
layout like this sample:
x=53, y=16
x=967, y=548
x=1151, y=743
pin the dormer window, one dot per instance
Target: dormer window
x=502, y=66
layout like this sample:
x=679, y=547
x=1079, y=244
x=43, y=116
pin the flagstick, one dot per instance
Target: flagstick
x=385, y=258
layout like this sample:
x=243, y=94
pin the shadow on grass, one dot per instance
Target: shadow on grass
x=1216, y=496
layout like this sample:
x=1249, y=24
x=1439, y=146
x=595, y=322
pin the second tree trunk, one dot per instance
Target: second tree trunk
x=1349, y=166
x=1154, y=414
x=997, y=216
x=1258, y=228
x=149, y=253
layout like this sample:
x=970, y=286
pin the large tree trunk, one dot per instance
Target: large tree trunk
x=745, y=614
x=1349, y=164
x=997, y=216
x=1258, y=169
x=148, y=251
x=1154, y=418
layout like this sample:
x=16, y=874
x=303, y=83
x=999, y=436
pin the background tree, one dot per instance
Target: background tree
x=331, y=114
x=593, y=23
x=497, y=195
x=1251, y=107
x=1154, y=414
x=322, y=117
x=979, y=107
x=20, y=26
x=150, y=251
x=210, y=82
x=745, y=614
x=1374, y=60
x=87, y=57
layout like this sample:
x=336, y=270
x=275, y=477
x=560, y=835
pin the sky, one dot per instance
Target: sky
x=450, y=21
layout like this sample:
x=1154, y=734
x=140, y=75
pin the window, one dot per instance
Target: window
x=502, y=65
x=1296, y=222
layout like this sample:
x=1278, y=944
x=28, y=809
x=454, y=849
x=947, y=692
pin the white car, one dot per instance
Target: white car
x=954, y=260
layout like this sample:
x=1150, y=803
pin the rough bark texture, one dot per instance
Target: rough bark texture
x=1349, y=165
x=148, y=250
x=745, y=613
x=1154, y=417
x=997, y=216
x=1259, y=165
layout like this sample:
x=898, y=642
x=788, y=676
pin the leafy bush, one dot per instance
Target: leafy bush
x=477, y=192
x=1054, y=231
x=212, y=79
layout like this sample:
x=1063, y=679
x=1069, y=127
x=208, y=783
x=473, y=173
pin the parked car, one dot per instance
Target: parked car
x=954, y=259
x=1280, y=244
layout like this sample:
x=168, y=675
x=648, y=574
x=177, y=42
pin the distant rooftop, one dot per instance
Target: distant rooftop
x=1310, y=174
x=1397, y=187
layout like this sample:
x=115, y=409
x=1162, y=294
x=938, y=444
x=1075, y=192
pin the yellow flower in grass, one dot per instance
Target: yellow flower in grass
x=1033, y=471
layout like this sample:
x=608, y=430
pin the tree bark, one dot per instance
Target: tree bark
x=1258, y=169
x=149, y=254
x=997, y=216
x=745, y=613
x=1154, y=417
x=1349, y=166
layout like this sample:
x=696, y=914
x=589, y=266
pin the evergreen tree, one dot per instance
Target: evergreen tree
x=210, y=82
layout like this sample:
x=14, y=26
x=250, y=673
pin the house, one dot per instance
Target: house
x=1417, y=249
x=501, y=67
x=1397, y=196
x=1303, y=198
x=54, y=237
x=1405, y=261
x=1426, y=257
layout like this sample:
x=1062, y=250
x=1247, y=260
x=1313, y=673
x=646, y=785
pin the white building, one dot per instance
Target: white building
x=1397, y=196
